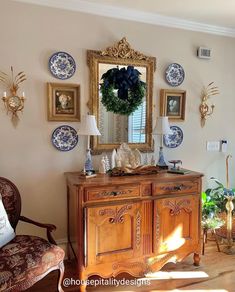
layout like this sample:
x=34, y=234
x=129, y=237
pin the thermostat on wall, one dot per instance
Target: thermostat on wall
x=204, y=53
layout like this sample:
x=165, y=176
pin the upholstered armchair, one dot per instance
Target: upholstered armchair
x=26, y=259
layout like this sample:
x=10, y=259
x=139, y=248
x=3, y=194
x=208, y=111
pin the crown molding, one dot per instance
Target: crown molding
x=133, y=15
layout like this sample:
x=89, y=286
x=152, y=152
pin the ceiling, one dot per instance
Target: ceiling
x=215, y=12
x=210, y=16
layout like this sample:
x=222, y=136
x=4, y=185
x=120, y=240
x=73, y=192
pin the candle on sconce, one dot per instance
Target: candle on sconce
x=23, y=95
x=4, y=94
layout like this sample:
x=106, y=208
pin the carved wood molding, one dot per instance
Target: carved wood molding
x=180, y=187
x=138, y=230
x=147, y=211
x=117, y=215
x=161, y=259
x=147, y=190
x=176, y=207
x=122, y=49
x=157, y=228
x=113, y=193
x=134, y=265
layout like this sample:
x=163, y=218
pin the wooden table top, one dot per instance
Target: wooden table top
x=74, y=178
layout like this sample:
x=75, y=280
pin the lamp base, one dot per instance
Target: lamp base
x=161, y=161
x=88, y=167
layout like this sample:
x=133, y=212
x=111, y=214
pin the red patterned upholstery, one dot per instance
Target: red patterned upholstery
x=11, y=200
x=24, y=260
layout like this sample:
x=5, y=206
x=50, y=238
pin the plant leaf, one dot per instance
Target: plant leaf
x=217, y=181
x=204, y=196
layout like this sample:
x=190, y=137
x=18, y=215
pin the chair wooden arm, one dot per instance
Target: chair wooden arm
x=49, y=227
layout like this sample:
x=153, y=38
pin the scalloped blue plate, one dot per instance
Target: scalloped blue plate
x=175, y=74
x=62, y=65
x=64, y=138
x=174, y=139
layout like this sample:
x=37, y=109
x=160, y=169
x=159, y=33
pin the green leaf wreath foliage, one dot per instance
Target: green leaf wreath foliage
x=122, y=90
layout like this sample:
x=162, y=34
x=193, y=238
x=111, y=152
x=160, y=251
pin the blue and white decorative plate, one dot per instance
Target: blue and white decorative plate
x=175, y=74
x=62, y=65
x=64, y=138
x=174, y=139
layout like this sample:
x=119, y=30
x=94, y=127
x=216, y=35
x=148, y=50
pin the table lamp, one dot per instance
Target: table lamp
x=162, y=128
x=88, y=128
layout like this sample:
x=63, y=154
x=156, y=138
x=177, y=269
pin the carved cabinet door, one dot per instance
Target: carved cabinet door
x=113, y=233
x=176, y=223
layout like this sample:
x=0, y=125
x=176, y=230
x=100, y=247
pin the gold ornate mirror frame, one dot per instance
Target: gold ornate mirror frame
x=120, y=54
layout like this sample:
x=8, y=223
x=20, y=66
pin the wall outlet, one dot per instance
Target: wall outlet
x=213, y=146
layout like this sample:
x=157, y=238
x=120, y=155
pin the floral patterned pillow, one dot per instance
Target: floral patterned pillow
x=6, y=231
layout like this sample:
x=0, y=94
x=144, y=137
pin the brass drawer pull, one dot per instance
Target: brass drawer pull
x=175, y=188
x=178, y=188
x=114, y=193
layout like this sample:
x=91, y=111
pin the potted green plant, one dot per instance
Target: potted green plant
x=213, y=200
x=210, y=211
x=213, y=205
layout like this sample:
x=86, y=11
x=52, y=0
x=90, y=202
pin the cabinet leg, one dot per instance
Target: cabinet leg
x=83, y=279
x=196, y=259
x=82, y=288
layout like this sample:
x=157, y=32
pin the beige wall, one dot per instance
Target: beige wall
x=30, y=34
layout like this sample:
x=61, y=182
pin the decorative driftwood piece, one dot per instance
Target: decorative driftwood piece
x=140, y=170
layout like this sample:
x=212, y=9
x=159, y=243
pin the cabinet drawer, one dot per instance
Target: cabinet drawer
x=112, y=192
x=180, y=187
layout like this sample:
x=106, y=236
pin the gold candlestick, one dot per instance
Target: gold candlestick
x=229, y=249
x=227, y=172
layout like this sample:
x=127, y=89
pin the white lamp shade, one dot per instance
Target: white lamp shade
x=162, y=126
x=88, y=126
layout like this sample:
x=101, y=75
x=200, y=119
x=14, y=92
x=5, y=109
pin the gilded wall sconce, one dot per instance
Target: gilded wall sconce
x=13, y=103
x=204, y=108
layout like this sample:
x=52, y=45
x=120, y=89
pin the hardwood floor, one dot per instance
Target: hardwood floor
x=216, y=273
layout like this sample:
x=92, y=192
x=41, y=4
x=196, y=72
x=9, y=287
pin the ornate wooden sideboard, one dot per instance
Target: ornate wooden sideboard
x=133, y=224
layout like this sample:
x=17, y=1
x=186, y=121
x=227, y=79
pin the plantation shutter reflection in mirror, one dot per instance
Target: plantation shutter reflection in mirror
x=137, y=125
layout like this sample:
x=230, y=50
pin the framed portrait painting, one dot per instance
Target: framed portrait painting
x=63, y=102
x=172, y=104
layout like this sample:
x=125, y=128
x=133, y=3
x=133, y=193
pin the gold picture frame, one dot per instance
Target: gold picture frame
x=63, y=102
x=172, y=104
x=119, y=55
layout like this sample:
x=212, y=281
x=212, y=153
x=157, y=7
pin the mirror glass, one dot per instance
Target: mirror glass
x=116, y=128
x=135, y=129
